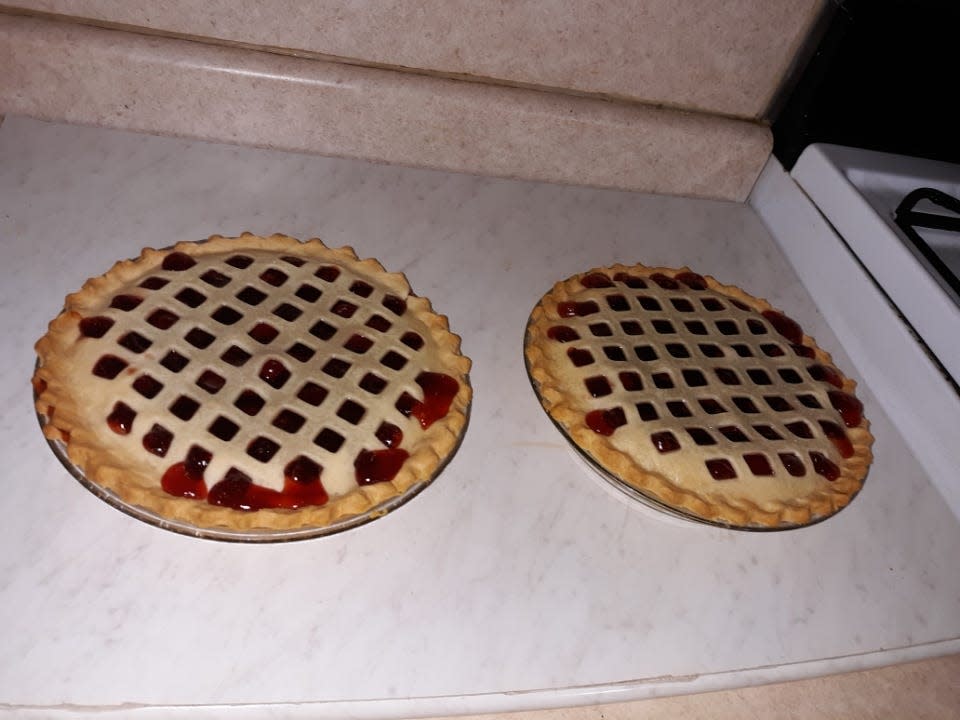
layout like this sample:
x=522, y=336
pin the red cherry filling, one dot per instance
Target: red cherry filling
x=95, y=327
x=274, y=373
x=823, y=466
x=274, y=277
x=720, y=469
x=563, y=334
x=389, y=434
x=328, y=273
x=439, y=390
x=121, y=418
x=162, y=319
x=147, y=386
x=793, y=464
x=239, y=492
x=302, y=470
x=596, y=280
x=396, y=305
x=125, y=302
x=758, y=464
x=692, y=280
x=790, y=329
x=598, y=386
x=850, y=409
x=185, y=479
x=605, y=422
x=373, y=466
x=109, y=366
x=580, y=357
x=838, y=437
x=631, y=281
x=358, y=344
x=263, y=333
x=822, y=373
x=178, y=261
x=577, y=309
x=157, y=440
x=667, y=283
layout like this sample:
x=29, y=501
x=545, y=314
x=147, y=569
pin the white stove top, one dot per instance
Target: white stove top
x=900, y=322
x=859, y=192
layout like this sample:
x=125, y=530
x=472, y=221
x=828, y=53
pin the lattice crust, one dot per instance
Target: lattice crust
x=294, y=373
x=698, y=395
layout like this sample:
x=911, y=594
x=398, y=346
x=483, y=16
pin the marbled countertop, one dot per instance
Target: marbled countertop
x=517, y=579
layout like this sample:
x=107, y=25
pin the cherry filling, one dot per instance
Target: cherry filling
x=439, y=390
x=793, y=464
x=162, y=319
x=389, y=434
x=596, y=280
x=274, y=373
x=185, y=479
x=302, y=487
x=579, y=357
x=125, y=302
x=95, y=327
x=667, y=283
x=239, y=261
x=605, y=422
x=373, y=466
x=109, y=366
x=692, y=280
x=823, y=466
x=630, y=281
x=178, y=261
x=157, y=440
x=396, y=305
x=121, y=418
x=598, y=386
x=790, y=329
x=821, y=373
x=577, y=309
x=838, y=437
x=328, y=273
x=721, y=469
x=758, y=464
x=217, y=279
x=850, y=409
x=263, y=333
x=274, y=277
x=560, y=333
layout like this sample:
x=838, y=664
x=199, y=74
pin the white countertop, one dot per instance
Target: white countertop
x=515, y=580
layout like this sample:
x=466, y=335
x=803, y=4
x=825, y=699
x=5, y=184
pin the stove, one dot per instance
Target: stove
x=877, y=237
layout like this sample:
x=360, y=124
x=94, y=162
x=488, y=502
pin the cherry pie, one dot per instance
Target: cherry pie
x=704, y=399
x=253, y=383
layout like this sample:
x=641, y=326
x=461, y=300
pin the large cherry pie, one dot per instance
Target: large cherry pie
x=704, y=399
x=252, y=383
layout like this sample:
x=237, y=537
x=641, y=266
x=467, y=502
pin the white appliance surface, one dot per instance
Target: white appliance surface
x=857, y=192
x=848, y=184
x=517, y=579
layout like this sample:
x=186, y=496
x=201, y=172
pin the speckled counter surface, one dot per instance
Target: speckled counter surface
x=517, y=580
x=67, y=72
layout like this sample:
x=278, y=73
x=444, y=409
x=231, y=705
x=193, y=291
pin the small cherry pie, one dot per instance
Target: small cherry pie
x=704, y=399
x=253, y=383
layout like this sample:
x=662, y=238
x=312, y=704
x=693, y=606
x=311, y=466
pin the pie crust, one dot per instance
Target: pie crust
x=704, y=399
x=253, y=364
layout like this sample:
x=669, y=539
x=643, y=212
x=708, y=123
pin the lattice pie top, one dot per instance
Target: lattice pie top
x=253, y=383
x=698, y=395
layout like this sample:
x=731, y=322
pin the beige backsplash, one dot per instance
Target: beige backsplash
x=654, y=96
